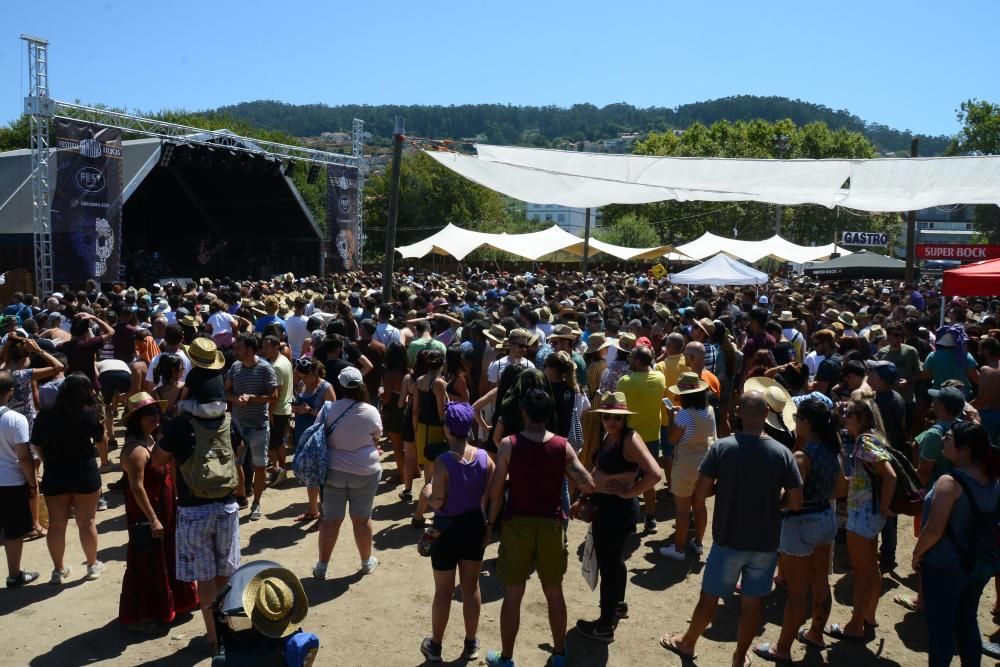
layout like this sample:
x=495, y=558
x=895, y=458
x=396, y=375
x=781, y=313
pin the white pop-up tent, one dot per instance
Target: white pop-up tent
x=720, y=270
x=781, y=249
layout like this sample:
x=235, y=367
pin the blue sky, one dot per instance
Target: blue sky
x=905, y=64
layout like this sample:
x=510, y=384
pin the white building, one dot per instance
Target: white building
x=570, y=219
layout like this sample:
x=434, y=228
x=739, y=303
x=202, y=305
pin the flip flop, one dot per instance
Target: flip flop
x=834, y=630
x=804, y=639
x=35, y=534
x=764, y=651
x=306, y=516
x=668, y=643
x=991, y=649
x=907, y=602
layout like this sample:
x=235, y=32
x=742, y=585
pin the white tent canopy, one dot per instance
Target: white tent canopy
x=459, y=242
x=591, y=179
x=709, y=244
x=720, y=270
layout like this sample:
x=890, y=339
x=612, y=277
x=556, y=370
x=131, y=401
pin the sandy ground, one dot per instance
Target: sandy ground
x=380, y=619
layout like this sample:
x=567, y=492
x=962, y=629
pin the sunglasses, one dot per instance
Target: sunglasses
x=304, y=365
x=613, y=418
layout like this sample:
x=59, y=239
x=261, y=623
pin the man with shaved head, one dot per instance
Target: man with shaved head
x=748, y=471
x=694, y=358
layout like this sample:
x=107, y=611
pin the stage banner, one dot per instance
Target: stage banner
x=87, y=202
x=966, y=252
x=342, y=217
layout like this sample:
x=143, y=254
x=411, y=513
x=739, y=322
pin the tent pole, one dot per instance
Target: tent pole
x=586, y=241
x=911, y=231
x=941, y=324
x=390, y=231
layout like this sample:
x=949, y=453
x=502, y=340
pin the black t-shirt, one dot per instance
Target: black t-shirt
x=179, y=441
x=333, y=368
x=206, y=386
x=829, y=369
x=893, y=411
x=67, y=444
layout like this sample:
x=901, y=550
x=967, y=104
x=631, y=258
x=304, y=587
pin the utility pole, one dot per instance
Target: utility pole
x=586, y=241
x=911, y=230
x=390, y=226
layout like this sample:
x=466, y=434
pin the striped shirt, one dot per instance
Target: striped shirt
x=258, y=380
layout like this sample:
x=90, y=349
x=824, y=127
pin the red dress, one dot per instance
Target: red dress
x=150, y=590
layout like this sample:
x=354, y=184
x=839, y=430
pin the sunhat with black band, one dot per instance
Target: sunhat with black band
x=275, y=602
x=203, y=353
x=137, y=402
x=613, y=403
x=597, y=342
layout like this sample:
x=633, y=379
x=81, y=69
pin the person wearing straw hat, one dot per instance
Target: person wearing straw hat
x=618, y=366
x=151, y=594
x=780, y=423
x=789, y=329
x=624, y=470
x=593, y=356
x=518, y=341
x=693, y=430
x=275, y=602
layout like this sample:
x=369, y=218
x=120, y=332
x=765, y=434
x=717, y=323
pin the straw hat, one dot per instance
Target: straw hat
x=626, y=342
x=204, y=354
x=688, y=383
x=562, y=331
x=138, y=402
x=847, y=319
x=706, y=325
x=787, y=317
x=545, y=315
x=613, y=403
x=496, y=333
x=597, y=342
x=275, y=602
x=781, y=407
x=661, y=311
x=831, y=314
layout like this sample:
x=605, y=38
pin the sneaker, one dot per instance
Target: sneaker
x=242, y=502
x=21, y=579
x=406, y=496
x=470, y=650
x=102, y=504
x=431, y=650
x=672, y=552
x=255, y=512
x=277, y=477
x=650, y=525
x=596, y=630
x=59, y=576
x=494, y=659
x=696, y=547
x=95, y=571
x=368, y=566
x=319, y=570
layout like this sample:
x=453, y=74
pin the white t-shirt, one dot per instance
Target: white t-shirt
x=221, y=322
x=813, y=360
x=106, y=365
x=13, y=431
x=352, y=443
x=295, y=329
x=497, y=368
x=184, y=371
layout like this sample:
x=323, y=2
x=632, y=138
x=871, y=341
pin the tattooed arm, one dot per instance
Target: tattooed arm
x=577, y=473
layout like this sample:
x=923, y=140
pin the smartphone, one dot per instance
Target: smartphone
x=668, y=403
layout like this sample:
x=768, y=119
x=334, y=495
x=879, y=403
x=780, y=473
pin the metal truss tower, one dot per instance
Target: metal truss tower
x=358, y=153
x=39, y=108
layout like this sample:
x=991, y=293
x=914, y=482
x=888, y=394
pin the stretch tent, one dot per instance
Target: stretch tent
x=459, y=242
x=591, y=179
x=720, y=270
x=709, y=244
x=862, y=264
x=978, y=279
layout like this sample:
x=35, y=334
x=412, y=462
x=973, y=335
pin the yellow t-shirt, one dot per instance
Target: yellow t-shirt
x=644, y=396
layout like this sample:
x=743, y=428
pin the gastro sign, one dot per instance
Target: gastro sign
x=865, y=238
x=957, y=251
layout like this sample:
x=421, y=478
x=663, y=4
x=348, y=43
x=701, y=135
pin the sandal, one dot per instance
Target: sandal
x=803, y=638
x=764, y=651
x=669, y=644
x=908, y=602
x=34, y=534
x=835, y=631
x=306, y=516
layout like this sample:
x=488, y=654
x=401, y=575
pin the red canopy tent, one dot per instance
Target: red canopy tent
x=978, y=279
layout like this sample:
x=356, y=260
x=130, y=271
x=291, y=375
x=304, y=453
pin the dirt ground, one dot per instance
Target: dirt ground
x=380, y=619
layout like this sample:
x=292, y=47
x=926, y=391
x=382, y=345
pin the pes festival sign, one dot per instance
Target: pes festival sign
x=877, y=239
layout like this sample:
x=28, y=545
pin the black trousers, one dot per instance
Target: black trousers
x=614, y=521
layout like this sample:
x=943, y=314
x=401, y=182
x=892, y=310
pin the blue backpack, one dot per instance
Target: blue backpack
x=311, y=457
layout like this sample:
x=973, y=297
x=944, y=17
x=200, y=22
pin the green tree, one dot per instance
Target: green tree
x=630, y=230
x=16, y=135
x=980, y=135
x=430, y=197
x=679, y=222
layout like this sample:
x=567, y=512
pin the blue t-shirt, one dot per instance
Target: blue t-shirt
x=943, y=366
x=262, y=323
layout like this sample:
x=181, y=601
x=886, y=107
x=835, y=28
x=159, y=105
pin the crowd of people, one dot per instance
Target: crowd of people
x=511, y=404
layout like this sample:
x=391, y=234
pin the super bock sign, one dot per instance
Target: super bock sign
x=865, y=238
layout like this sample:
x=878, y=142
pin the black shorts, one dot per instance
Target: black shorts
x=114, y=382
x=15, y=512
x=409, y=435
x=462, y=540
x=83, y=479
x=279, y=431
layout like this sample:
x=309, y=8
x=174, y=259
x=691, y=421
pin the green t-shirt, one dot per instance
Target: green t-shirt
x=421, y=344
x=931, y=443
x=283, y=371
x=907, y=364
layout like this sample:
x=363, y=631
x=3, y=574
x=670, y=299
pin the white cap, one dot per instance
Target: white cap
x=350, y=378
x=763, y=300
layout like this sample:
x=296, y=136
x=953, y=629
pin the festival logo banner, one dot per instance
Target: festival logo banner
x=342, y=216
x=87, y=203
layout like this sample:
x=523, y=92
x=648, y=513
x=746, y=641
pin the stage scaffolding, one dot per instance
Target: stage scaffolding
x=41, y=108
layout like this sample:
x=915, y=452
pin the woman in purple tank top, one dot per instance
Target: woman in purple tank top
x=456, y=493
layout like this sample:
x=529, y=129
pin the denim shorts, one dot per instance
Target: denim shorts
x=802, y=533
x=257, y=442
x=666, y=447
x=726, y=566
x=865, y=523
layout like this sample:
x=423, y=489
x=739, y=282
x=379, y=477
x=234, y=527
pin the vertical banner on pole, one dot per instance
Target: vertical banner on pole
x=342, y=216
x=87, y=202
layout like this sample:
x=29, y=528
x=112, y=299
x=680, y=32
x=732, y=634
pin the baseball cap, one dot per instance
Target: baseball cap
x=763, y=300
x=350, y=378
x=952, y=397
x=885, y=370
x=458, y=419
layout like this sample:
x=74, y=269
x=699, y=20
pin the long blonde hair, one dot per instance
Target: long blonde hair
x=863, y=400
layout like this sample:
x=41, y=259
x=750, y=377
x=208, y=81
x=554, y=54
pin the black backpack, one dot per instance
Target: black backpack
x=908, y=496
x=981, y=561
